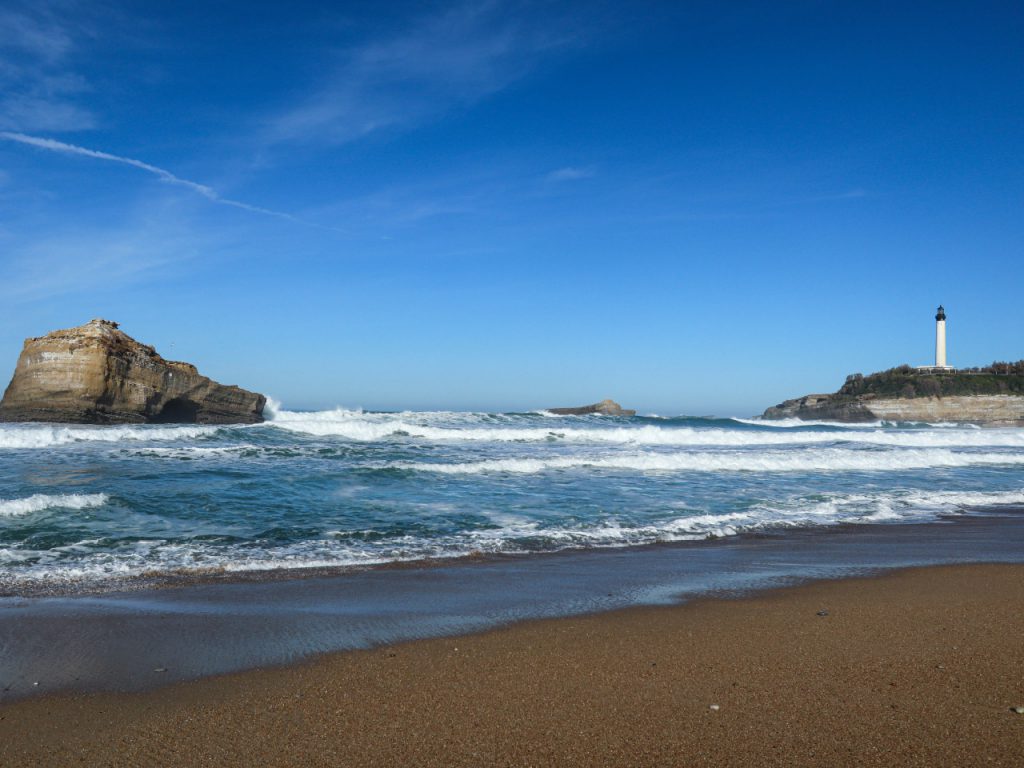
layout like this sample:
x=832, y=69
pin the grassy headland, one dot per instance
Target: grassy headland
x=906, y=382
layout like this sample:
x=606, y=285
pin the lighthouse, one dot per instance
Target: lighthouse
x=940, y=338
x=940, y=346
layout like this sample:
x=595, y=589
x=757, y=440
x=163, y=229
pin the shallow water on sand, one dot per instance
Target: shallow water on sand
x=145, y=638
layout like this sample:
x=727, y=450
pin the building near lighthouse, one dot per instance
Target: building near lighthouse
x=940, y=346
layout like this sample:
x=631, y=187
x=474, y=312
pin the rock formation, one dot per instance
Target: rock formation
x=992, y=410
x=820, y=408
x=605, y=408
x=97, y=374
x=991, y=395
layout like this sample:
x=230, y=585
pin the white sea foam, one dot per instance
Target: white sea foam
x=42, y=501
x=197, y=451
x=439, y=427
x=886, y=506
x=271, y=409
x=823, y=460
x=81, y=561
x=25, y=436
x=791, y=423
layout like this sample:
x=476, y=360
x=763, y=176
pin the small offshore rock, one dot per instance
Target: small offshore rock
x=605, y=408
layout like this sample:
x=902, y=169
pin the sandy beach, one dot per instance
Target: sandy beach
x=511, y=383
x=918, y=667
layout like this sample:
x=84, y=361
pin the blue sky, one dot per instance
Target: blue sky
x=690, y=207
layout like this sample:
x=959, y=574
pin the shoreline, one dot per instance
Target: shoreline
x=115, y=641
x=911, y=667
x=183, y=579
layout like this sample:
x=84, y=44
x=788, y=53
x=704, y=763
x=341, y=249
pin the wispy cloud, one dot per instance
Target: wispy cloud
x=39, y=90
x=82, y=261
x=34, y=32
x=402, y=206
x=164, y=175
x=481, y=188
x=446, y=61
x=570, y=174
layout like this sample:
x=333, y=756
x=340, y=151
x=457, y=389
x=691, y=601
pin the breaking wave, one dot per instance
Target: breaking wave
x=42, y=501
x=27, y=436
x=86, y=560
x=454, y=427
x=823, y=460
x=441, y=426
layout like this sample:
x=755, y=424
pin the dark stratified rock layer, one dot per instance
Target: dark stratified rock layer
x=605, y=408
x=820, y=407
x=97, y=374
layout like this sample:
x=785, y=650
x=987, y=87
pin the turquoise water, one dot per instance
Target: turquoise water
x=94, y=506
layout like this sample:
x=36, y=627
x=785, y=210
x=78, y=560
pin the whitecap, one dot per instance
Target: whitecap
x=822, y=460
x=359, y=426
x=31, y=436
x=42, y=501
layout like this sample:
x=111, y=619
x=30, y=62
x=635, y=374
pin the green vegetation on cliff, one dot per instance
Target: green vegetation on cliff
x=907, y=382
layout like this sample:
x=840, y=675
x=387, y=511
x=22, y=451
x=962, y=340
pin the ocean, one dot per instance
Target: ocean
x=87, y=509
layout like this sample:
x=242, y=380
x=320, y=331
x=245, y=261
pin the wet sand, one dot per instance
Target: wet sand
x=114, y=641
x=918, y=667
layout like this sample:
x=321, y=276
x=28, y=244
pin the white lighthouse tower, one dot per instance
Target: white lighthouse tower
x=940, y=338
x=940, y=346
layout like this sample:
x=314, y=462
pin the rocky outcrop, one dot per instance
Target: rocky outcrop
x=97, y=374
x=992, y=395
x=605, y=408
x=820, y=408
x=992, y=410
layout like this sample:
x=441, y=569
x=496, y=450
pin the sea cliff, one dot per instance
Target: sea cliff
x=995, y=410
x=991, y=396
x=97, y=374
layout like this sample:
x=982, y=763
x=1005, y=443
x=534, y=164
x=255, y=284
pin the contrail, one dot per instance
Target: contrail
x=208, y=192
